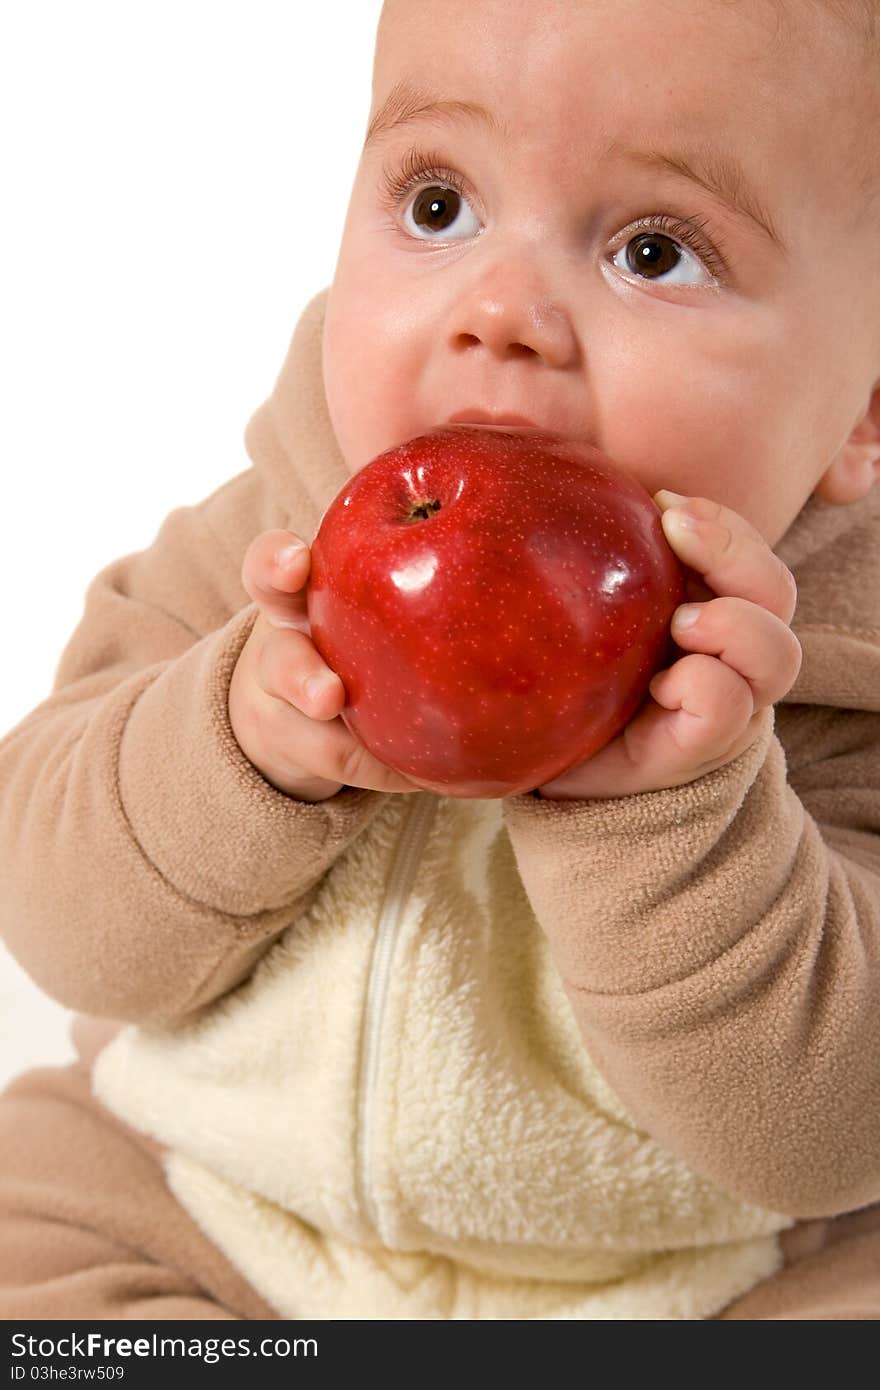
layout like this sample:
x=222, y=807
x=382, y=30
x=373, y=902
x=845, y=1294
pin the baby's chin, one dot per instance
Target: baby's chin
x=355, y=458
x=347, y=447
x=359, y=447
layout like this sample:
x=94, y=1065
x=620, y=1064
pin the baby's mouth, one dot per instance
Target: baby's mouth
x=509, y=424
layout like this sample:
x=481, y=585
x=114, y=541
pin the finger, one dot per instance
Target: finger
x=290, y=668
x=354, y=765
x=750, y=640
x=326, y=751
x=663, y=747
x=733, y=558
x=712, y=705
x=274, y=573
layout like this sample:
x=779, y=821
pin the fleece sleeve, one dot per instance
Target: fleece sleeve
x=147, y=864
x=720, y=946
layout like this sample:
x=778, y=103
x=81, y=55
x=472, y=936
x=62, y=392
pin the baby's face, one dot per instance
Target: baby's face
x=535, y=247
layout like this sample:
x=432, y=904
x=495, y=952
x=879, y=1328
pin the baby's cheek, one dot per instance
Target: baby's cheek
x=697, y=433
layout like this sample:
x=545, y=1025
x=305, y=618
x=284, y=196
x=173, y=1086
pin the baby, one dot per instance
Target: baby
x=610, y=1050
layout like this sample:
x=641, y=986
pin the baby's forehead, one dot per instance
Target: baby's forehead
x=820, y=35
x=775, y=25
x=820, y=59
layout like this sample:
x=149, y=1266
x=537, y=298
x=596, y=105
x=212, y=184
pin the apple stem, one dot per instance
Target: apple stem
x=423, y=510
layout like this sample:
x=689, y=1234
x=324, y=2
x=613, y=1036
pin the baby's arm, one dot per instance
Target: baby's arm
x=147, y=863
x=720, y=947
x=720, y=941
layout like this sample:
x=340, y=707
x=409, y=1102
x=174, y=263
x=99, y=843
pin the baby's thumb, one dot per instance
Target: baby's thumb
x=274, y=573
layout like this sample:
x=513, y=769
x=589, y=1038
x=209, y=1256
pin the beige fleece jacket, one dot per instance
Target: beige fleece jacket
x=415, y=1057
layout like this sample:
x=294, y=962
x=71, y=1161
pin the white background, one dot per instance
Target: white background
x=174, y=176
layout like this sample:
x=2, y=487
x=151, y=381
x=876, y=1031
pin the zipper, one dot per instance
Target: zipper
x=414, y=833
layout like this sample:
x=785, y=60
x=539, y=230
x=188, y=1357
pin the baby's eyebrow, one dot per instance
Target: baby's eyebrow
x=407, y=103
x=717, y=173
x=712, y=170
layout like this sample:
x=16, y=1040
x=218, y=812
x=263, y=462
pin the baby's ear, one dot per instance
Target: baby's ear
x=855, y=468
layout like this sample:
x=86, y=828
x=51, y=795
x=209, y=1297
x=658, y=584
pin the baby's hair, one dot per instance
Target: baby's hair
x=862, y=19
x=861, y=16
x=859, y=21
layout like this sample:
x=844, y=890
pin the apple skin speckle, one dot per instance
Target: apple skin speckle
x=494, y=604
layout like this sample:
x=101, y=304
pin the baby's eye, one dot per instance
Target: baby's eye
x=654, y=255
x=440, y=213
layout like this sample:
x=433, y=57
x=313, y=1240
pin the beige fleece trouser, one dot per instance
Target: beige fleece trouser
x=89, y=1230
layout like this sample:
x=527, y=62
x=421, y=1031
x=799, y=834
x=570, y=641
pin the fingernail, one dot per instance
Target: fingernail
x=685, y=616
x=288, y=553
x=293, y=624
x=679, y=520
x=669, y=499
x=316, y=685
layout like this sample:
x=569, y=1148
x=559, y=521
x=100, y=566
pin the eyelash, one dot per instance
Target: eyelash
x=417, y=168
x=414, y=169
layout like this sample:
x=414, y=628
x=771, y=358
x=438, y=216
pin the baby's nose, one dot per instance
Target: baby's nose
x=510, y=316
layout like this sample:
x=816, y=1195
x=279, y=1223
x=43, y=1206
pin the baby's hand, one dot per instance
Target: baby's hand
x=284, y=701
x=742, y=657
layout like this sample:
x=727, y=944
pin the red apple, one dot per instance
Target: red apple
x=495, y=605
